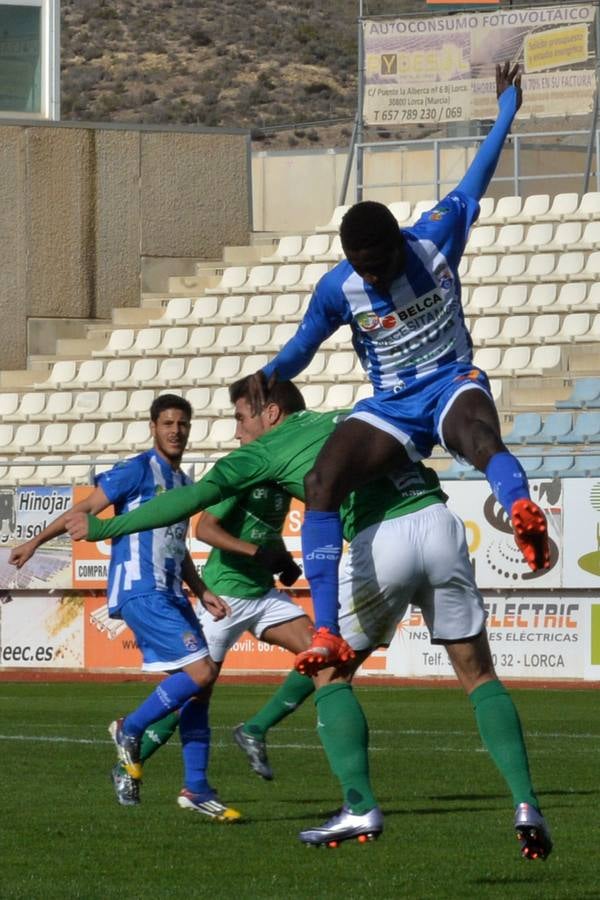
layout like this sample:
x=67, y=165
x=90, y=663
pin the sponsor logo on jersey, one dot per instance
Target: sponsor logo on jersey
x=368, y=321
x=445, y=277
x=190, y=641
x=438, y=213
x=390, y=321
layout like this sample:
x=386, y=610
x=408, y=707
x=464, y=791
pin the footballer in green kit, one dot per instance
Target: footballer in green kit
x=406, y=548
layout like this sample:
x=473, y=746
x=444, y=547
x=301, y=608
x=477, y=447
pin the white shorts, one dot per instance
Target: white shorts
x=420, y=559
x=255, y=616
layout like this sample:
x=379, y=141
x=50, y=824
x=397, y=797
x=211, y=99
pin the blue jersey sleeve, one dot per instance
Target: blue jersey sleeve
x=479, y=174
x=448, y=224
x=122, y=480
x=325, y=314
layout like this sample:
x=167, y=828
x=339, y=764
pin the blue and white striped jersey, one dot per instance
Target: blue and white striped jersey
x=151, y=560
x=412, y=330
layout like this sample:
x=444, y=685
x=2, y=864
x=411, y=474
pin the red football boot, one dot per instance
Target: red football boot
x=531, y=533
x=327, y=649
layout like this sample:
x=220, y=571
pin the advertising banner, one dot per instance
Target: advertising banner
x=581, y=533
x=24, y=512
x=442, y=69
x=40, y=631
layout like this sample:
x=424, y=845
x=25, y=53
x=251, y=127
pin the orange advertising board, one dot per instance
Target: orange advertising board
x=90, y=559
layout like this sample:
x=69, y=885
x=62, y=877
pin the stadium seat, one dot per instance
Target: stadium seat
x=525, y=427
x=339, y=396
x=516, y=361
x=556, y=466
x=221, y=435
x=7, y=433
x=592, y=334
x=339, y=340
x=513, y=298
x=482, y=297
x=26, y=438
x=316, y=367
x=537, y=237
x=341, y=366
x=258, y=337
x=62, y=373
x=139, y=403
x=508, y=238
x=286, y=307
x=486, y=209
x=31, y=405
x=252, y=363
x=204, y=310
x=219, y=404
x=488, y=358
x=544, y=359
x=542, y=297
x=199, y=399
x=287, y=247
x=286, y=278
x=111, y=405
x=110, y=374
x=9, y=404
x=230, y=309
x=401, y=210
x=259, y=278
x=232, y=279
x=198, y=370
x=512, y=268
x=569, y=265
x=590, y=238
x=81, y=438
x=556, y=427
x=335, y=252
x=176, y=308
x=335, y=220
x=585, y=392
x=485, y=330
x=147, y=342
x=54, y=438
x=174, y=341
x=312, y=273
x=577, y=327
x=90, y=373
x=539, y=266
x=515, y=330
x=572, y=296
x=316, y=245
x=480, y=269
x=259, y=308
x=202, y=339
x=586, y=428
x=507, y=209
x=544, y=328
x=144, y=371
x=226, y=369
x=591, y=269
x=533, y=208
x=364, y=390
x=58, y=406
x=532, y=464
x=108, y=436
x=135, y=438
x=586, y=465
x=198, y=433
x=566, y=236
x=589, y=207
x=481, y=239
x=313, y=395
x=563, y=206
x=120, y=343
x=460, y=471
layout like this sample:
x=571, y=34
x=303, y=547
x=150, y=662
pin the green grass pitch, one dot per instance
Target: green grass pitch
x=448, y=817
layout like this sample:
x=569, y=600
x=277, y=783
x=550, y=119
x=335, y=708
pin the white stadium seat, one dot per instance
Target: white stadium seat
x=335, y=220
x=287, y=247
x=232, y=279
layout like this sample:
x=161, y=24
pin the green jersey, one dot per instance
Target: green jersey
x=257, y=517
x=284, y=456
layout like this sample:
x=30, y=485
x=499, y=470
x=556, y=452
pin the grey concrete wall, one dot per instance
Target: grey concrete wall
x=79, y=206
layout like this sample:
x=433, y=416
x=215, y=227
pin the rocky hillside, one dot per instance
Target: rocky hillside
x=253, y=64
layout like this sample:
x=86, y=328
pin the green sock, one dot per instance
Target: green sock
x=500, y=729
x=157, y=735
x=288, y=697
x=344, y=733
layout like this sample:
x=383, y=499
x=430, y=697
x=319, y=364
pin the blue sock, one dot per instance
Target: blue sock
x=322, y=542
x=195, y=742
x=167, y=697
x=507, y=479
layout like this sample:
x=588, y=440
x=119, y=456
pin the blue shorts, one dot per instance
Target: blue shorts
x=414, y=413
x=166, y=630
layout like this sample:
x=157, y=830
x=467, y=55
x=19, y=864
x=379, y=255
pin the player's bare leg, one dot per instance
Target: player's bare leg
x=471, y=428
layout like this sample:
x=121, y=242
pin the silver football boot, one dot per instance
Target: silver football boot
x=127, y=789
x=256, y=752
x=128, y=748
x=344, y=826
x=532, y=832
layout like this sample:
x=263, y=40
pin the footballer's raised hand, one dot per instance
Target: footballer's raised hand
x=505, y=76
